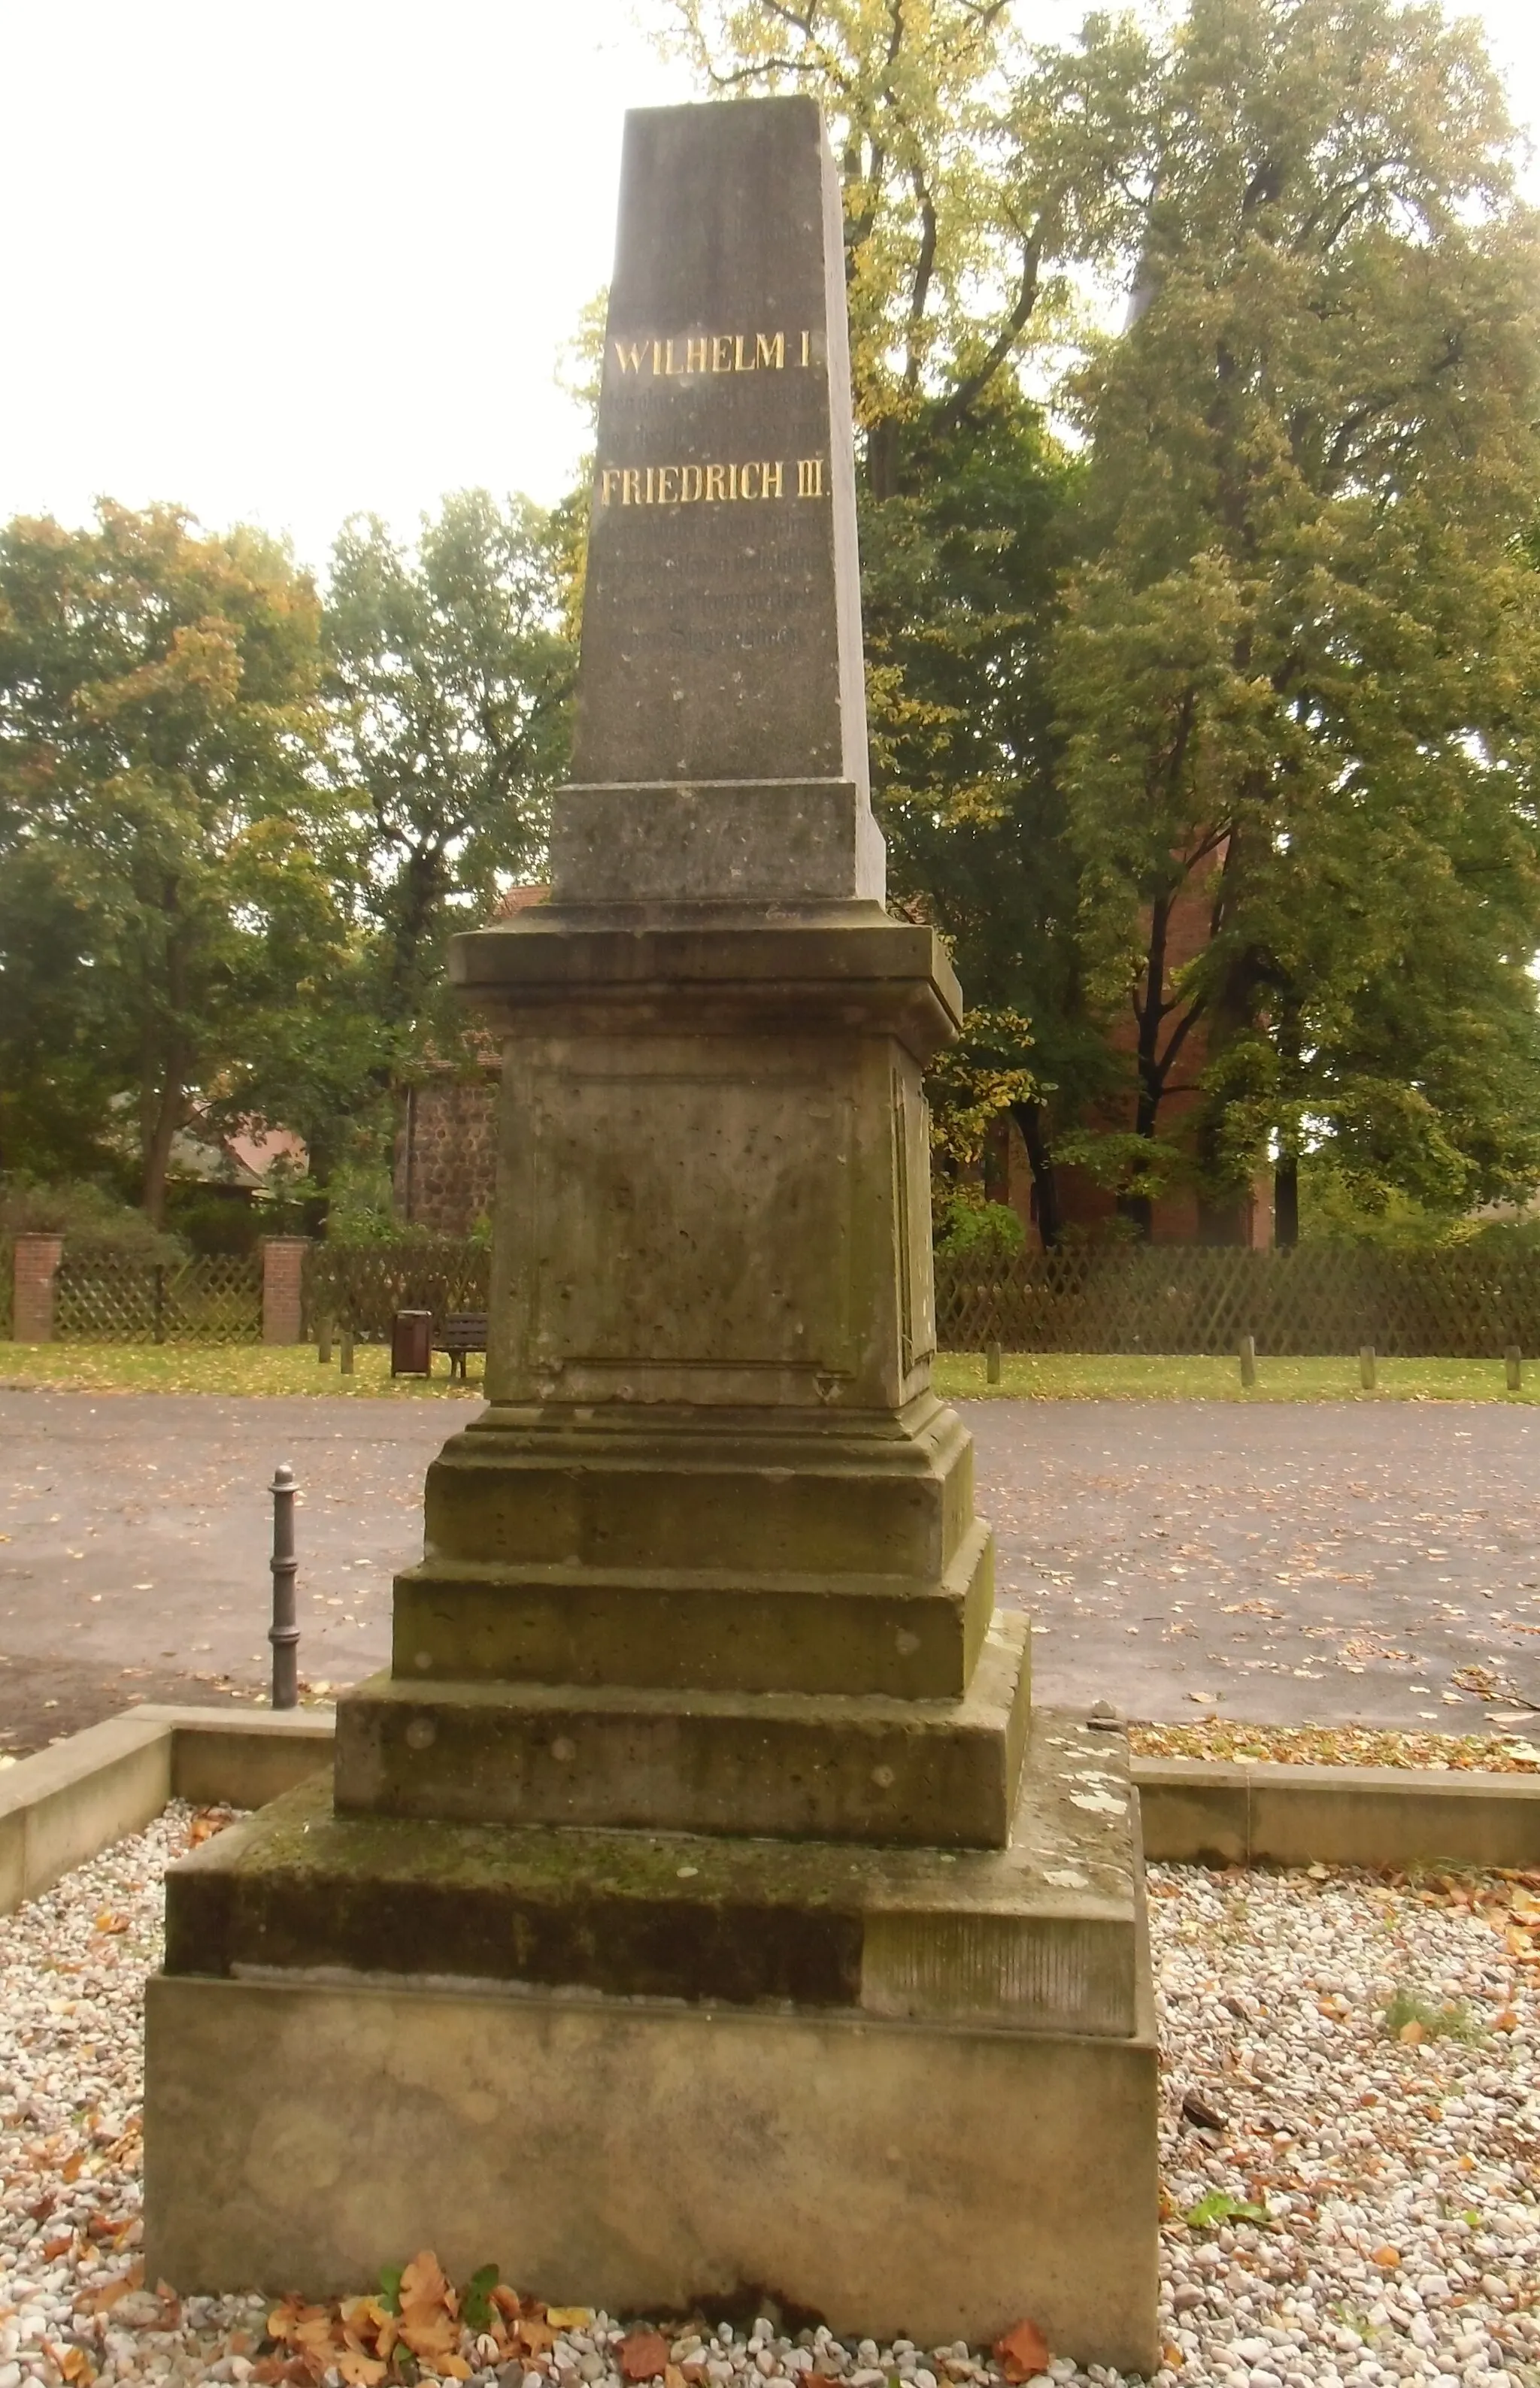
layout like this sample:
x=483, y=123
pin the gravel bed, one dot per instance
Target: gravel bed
x=1348, y=2198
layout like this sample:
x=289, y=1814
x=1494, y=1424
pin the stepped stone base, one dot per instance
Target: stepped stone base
x=818, y=1766
x=1041, y=1935
x=934, y=2179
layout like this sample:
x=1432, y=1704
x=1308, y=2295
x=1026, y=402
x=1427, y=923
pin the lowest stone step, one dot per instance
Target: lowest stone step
x=1043, y=1934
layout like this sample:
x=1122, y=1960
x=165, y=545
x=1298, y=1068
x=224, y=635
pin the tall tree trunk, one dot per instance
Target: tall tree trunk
x=1286, y=1202
x=168, y=1105
x=1045, y=1183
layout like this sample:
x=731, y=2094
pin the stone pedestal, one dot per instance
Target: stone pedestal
x=698, y=1909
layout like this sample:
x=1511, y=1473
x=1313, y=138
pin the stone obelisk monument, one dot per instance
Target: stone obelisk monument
x=698, y=1906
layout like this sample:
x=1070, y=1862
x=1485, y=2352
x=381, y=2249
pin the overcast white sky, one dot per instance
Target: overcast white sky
x=284, y=263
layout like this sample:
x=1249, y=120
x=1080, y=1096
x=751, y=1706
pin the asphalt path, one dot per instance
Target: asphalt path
x=1282, y=1563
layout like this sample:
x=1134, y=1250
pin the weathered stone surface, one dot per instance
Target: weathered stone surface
x=631, y=1487
x=934, y=2179
x=1039, y=1936
x=699, y=1628
x=722, y=632
x=829, y=1767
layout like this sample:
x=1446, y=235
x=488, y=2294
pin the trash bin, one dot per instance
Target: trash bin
x=411, y=1343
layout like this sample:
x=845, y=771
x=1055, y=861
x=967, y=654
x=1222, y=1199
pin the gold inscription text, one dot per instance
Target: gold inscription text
x=661, y=356
x=712, y=484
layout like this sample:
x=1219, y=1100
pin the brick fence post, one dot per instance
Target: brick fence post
x=37, y=1257
x=284, y=1288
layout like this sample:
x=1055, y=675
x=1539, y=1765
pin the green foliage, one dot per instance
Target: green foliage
x=983, y=1230
x=85, y=1215
x=1450, y=2021
x=1299, y=758
x=1210, y=747
x=476, y=2308
x=1218, y=2206
x=160, y=908
x=449, y=675
x=1340, y=1208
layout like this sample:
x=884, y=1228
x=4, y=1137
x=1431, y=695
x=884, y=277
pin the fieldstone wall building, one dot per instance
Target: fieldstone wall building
x=446, y=1150
x=446, y=1144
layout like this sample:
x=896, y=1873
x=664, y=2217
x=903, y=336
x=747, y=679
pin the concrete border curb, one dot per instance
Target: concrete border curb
x=61, y=1806
x=58, y=1808
x=1226, y=1812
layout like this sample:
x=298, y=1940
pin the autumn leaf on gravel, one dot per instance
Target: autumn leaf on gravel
x=360, y=2370
x=569, y=2317
x=1023, y=2351
x=106, y=1921
x=429, y=2321
x=102, y=2300
x=644, y=2356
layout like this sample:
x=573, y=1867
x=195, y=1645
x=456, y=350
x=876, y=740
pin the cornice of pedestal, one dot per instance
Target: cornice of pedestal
x=712, y=970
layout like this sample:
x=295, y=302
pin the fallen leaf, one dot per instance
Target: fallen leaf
x=103, y=2299
x=568, y=2317
x=109, y=1922
x=1023, y=2351
x=1388, y=2257
x=54, y=2248
x=644, y=2356
x=1196, y=2109
x=423, y=2282
x=1412, y=2034
x=1506, y=2021
x=361, y=2371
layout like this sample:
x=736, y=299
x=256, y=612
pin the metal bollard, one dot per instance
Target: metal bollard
x=284, y=1633
x=1513, y=1362
x=323, y=1341
x=991, y=1363
x=1247, y=1353
x=1366, y=1367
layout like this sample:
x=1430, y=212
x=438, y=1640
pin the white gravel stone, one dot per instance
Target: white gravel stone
x=1272, y=1991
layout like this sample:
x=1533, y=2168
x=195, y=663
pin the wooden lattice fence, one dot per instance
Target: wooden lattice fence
x=362, y=1286
x=1318, y=1300
x=106, y=1297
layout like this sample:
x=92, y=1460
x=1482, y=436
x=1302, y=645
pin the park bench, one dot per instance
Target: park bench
x=460, y=1331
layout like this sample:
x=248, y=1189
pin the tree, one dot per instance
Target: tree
x=979, y=174
x=1296, y=679
x=448, y=680
x=162, y=904
x=1286, y=711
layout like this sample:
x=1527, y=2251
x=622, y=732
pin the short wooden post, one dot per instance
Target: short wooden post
x=323, y=1341
x=991, y=1363
x=1513, y=1362
x=1366, y=1367
x=345, y=1353
x=1248, y=1361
